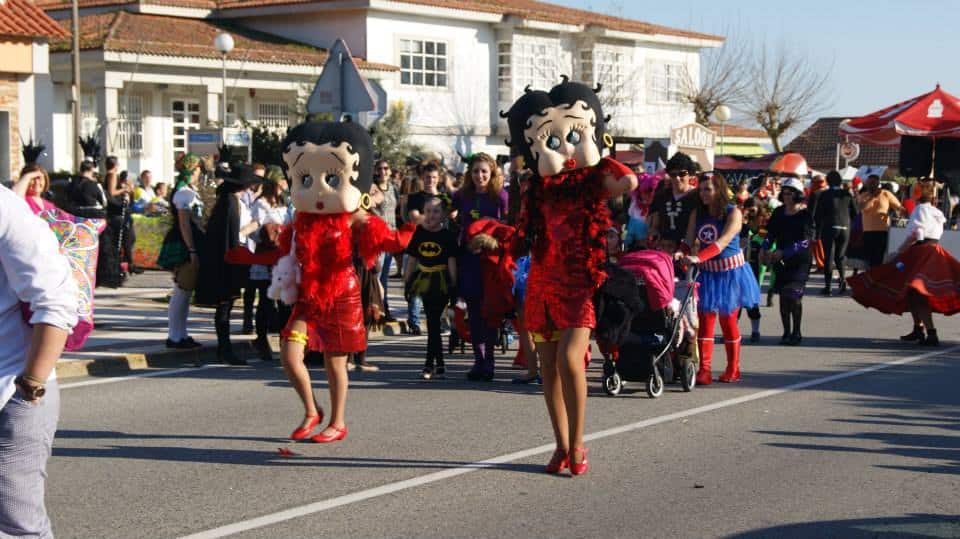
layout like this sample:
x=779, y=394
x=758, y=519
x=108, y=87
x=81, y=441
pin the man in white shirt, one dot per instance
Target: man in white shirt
x=32, y=271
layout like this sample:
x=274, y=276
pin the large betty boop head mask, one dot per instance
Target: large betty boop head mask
x=558, y=131
x=330, y=166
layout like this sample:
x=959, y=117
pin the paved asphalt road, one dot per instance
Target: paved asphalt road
x=851, y=435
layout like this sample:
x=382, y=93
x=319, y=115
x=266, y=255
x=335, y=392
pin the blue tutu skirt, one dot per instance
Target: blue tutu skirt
x=724, y=292
x=520, y=279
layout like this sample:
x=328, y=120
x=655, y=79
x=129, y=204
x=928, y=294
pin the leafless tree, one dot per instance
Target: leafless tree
x=724, y=76
x=785, y=90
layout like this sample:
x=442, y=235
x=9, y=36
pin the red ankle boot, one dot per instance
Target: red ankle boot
x=704, y=378
x=732, y=374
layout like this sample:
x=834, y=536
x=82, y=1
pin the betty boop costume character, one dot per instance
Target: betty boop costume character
x=330, y=166
x=563, y=220
x=726, y=282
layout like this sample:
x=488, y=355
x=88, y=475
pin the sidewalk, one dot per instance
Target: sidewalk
x=130, y=331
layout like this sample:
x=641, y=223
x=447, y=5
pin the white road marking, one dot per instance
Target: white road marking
x=390, y=488
x=170, y=372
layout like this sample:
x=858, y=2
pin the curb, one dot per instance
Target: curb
x=112, y=363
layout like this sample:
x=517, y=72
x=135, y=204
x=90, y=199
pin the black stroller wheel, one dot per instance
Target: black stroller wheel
x=655, y=385
x=689, y=378
x=612, y=384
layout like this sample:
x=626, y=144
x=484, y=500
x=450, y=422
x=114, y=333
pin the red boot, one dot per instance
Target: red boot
x=704, y=378
x=731, y=340
x=732, y=374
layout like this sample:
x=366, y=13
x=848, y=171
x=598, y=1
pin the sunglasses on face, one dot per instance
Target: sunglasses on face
x=679, y=173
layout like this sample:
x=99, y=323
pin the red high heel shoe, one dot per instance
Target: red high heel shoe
x=558, y=462
x=303, y=433
x=579, y=468
x=339, y=433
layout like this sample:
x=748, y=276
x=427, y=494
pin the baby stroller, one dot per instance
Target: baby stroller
x=641, y=325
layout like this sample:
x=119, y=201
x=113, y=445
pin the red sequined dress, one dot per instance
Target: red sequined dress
x=329, y=297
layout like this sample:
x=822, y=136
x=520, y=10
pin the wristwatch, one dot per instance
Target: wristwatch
x=29, y=391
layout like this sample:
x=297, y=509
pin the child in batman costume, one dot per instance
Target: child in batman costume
x=431, y=274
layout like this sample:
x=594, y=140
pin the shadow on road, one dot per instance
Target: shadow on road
x=906, y=398
x=250, y=457
x=916, y=526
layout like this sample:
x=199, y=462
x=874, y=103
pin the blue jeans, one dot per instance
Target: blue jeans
x=413, y=311
x=384, y=279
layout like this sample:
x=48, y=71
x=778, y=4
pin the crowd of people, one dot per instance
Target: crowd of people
x=309, y=248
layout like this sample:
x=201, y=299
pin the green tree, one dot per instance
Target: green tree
x=265, y=146
x=391, y=135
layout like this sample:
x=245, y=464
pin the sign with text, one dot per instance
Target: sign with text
x=696, y=141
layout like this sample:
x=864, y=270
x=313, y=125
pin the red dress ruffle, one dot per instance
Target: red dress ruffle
x=927, y=269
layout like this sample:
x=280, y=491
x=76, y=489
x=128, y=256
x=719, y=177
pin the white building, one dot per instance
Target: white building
x=150, y=71
x=24, y=79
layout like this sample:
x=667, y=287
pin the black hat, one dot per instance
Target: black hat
x=239, y=175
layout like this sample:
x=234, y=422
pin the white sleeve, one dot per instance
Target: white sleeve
x=914, y=225
x=184, y=198
x=38, y=274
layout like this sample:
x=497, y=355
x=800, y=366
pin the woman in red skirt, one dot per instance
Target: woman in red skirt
x=923, y=278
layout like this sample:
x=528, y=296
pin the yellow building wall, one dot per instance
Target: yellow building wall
x=16, y=56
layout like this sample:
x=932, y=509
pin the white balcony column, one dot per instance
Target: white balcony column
x=108, y=113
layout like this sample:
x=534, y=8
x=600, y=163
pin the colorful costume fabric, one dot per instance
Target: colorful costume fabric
x=726, y=281
x=79, y=243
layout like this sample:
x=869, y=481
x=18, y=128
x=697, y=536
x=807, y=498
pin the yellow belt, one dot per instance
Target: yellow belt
x=431, y=269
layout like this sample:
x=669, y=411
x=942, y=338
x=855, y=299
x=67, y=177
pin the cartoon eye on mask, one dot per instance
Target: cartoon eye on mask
x=553, y=142
x=333, y=180
x=306, y=181
x=573, y=137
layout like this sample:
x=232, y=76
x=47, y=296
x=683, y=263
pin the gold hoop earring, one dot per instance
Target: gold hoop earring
x=365, y=202
x=608, y=140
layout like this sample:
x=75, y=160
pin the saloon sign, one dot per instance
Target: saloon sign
x=696, y=141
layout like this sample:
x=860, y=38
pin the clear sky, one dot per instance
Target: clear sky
x=881, y=51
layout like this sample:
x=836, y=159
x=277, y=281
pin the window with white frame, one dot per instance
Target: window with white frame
x=88, y=114
x=129, y=132
x=423, y=63
x=535, y=63
x=504, y=74
x=664, y=81
x=585, y=66
x=232, y=117
x=273, y=115
x=610, y=66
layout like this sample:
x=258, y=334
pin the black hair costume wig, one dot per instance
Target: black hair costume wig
x=585, y=184
x=336, y=133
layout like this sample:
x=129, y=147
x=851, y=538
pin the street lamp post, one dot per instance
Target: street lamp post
x=722, y=114
x=224, y=44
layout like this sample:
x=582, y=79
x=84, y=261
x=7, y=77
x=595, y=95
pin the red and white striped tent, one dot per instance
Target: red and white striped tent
x=935, y=114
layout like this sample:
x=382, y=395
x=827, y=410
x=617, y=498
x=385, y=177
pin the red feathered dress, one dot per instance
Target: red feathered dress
x=329, y=298
x=569, y=219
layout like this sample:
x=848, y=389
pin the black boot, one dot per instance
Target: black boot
x=440, y=371
x=914, y=336
x=931, y=339
x=225, y=351
x=262, y=346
